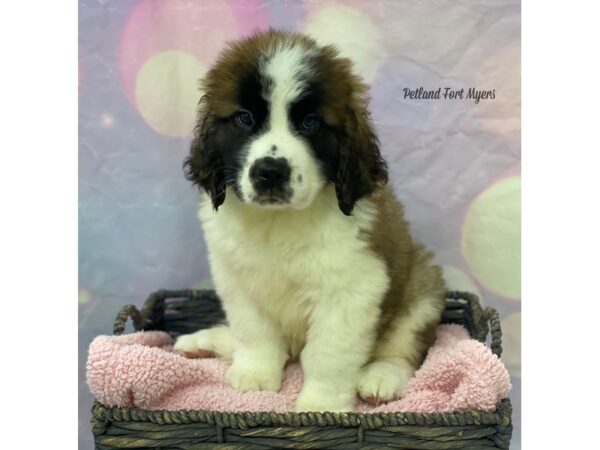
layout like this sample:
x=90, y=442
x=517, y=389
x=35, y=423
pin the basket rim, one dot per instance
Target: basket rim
x=243, y=420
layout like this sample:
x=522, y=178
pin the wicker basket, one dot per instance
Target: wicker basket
x=179, y=312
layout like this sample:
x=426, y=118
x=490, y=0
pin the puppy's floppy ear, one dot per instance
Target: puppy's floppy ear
x=361, y=168
x=204, y=166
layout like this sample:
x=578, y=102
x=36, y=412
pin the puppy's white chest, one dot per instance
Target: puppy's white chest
x=284, y=263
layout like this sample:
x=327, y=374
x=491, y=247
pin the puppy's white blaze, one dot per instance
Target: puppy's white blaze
x=286, y=69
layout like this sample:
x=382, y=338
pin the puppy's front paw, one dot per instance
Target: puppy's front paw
x=382, y=381
x=325, y=398
x=196, y=345
x=256, y=375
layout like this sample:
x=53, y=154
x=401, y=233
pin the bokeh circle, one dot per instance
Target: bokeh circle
x=166, y=92
x=491, y=238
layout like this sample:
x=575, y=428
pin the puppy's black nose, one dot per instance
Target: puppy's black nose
x=269, y=173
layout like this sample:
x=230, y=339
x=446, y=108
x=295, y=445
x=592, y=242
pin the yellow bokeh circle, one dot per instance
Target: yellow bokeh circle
x=491, y=238
x=166, y=92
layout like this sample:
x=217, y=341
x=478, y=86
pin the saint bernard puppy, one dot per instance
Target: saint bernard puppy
x=308, y=247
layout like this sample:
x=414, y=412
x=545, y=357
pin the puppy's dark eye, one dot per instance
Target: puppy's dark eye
x=244, y=119
x=310, y=123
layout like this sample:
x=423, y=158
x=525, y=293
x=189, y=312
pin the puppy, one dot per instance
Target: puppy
x=309, y=250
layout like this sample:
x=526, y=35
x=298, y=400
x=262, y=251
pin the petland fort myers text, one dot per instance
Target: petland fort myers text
x=447, y=93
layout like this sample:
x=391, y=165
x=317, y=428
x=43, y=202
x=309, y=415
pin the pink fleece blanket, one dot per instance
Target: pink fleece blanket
x=141, y=370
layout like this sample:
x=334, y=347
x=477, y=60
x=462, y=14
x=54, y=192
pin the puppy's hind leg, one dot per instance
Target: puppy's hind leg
x=215, y=341
x=399, y=354
x=401, y=348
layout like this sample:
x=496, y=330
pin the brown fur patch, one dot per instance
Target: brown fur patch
x=412, y=276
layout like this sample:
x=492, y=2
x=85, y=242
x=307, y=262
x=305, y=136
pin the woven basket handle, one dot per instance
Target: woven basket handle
x=490, y=315
x=125, y=313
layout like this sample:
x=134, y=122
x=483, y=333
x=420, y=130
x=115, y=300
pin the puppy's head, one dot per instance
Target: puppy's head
x=281, y=117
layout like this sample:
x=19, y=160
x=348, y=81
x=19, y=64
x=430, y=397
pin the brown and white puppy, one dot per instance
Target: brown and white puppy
x=309, y=249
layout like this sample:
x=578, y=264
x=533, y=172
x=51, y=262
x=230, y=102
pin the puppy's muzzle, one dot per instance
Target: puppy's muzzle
x=270, y=178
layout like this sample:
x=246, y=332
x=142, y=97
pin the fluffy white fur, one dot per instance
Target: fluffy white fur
x=320, y=299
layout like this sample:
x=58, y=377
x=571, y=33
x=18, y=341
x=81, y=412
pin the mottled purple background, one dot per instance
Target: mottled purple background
x=455, y=164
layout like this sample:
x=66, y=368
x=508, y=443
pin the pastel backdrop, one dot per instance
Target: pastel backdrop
x=455, y=164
